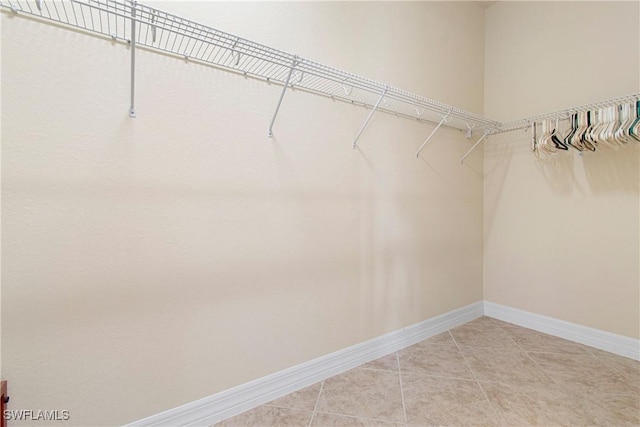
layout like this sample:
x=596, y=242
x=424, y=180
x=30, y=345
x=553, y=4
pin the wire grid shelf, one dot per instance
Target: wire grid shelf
x=159, y=30
x=565, y=114
x=162, y=31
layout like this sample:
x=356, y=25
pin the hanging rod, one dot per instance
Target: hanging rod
x=162, y=31
x=563, y=114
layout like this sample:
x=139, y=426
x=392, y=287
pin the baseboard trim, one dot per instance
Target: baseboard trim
x=607, y=341
x=228, y=403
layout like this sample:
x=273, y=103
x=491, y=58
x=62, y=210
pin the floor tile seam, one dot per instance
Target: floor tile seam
x=540, y=368
x=454, y=340
x=371, y=369
x=514, y=388
x=444, y=377
x=636, y=395
x=465, y=360
x=613, y=365
x=282, y=407
x=502, y=384
x=498, y=419
x=491, y=348
x=618, y=371
x=506, y=325
x=567, y=383
x=481, y=334
x=560, y=353
x=587, y=350
x=484, y=393
x=425, y=349
x=566, y=391
x=377, y=369
x=610, y=355
x=271, y=405
x=424, y=346
x=561, y=381
x=359, y=417
x=315, y=407
x=404, y=407
x=479, y=327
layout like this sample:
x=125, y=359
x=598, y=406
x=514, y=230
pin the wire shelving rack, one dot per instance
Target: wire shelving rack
x=154, y=29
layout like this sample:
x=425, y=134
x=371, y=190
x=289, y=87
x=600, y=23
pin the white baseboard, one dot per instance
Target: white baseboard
x=607, y=341
x=228, y=403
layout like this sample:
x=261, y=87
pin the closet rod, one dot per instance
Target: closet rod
x=162, y=31
x=564, y=114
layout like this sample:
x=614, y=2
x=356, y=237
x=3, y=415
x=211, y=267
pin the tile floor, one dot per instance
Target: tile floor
x=483, y=373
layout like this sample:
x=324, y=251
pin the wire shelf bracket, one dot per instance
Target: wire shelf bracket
x=445, y=119
x=486, y=133
x=373, y=110
x=132, y=107
x=284, y=89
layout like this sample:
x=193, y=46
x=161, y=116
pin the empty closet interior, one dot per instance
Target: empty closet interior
x=244, y=187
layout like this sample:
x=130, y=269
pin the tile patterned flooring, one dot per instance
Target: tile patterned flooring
x=483, y=373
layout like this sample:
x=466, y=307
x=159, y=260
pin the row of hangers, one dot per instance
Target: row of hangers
x=611, y=127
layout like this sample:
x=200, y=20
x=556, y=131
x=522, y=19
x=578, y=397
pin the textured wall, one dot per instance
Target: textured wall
x=561, y=235
x=151, y=262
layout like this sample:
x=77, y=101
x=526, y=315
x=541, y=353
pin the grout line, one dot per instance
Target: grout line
x=588, y=350
x=454, y=341
x=498, y=420
x=598, y=354
x=376, y=369
x=404, y=407
x=611, y=364
x=534, y=362
x=444, y=377
x=559, y=353
x=561, y=382
x=622, y=394
x=358, y=417
x=315, y=408
x=548, y=375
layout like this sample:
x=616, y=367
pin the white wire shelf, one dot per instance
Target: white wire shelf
x=172, y=34
x=565, y=114
x=161, y=31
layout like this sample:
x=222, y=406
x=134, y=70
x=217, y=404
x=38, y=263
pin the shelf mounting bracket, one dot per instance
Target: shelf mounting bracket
x=284, y=89
x=132, y=108
x=364, y=125
x=486, y=133
x=445, y=119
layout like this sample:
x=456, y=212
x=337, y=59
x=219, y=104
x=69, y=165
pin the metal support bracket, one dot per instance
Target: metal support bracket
x=154, y=16
x=364, y=125
x=284, y=89
x=469, y=132
x=132, y=109
x=445, y=119
x=486, y=133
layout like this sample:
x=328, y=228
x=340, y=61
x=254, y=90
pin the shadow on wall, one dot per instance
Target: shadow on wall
x=614, y=170
x=558, y=171
x=500, y=150
x=605, y=170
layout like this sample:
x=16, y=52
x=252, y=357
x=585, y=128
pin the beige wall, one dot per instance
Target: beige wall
x=561, y=236
x=151, y=262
